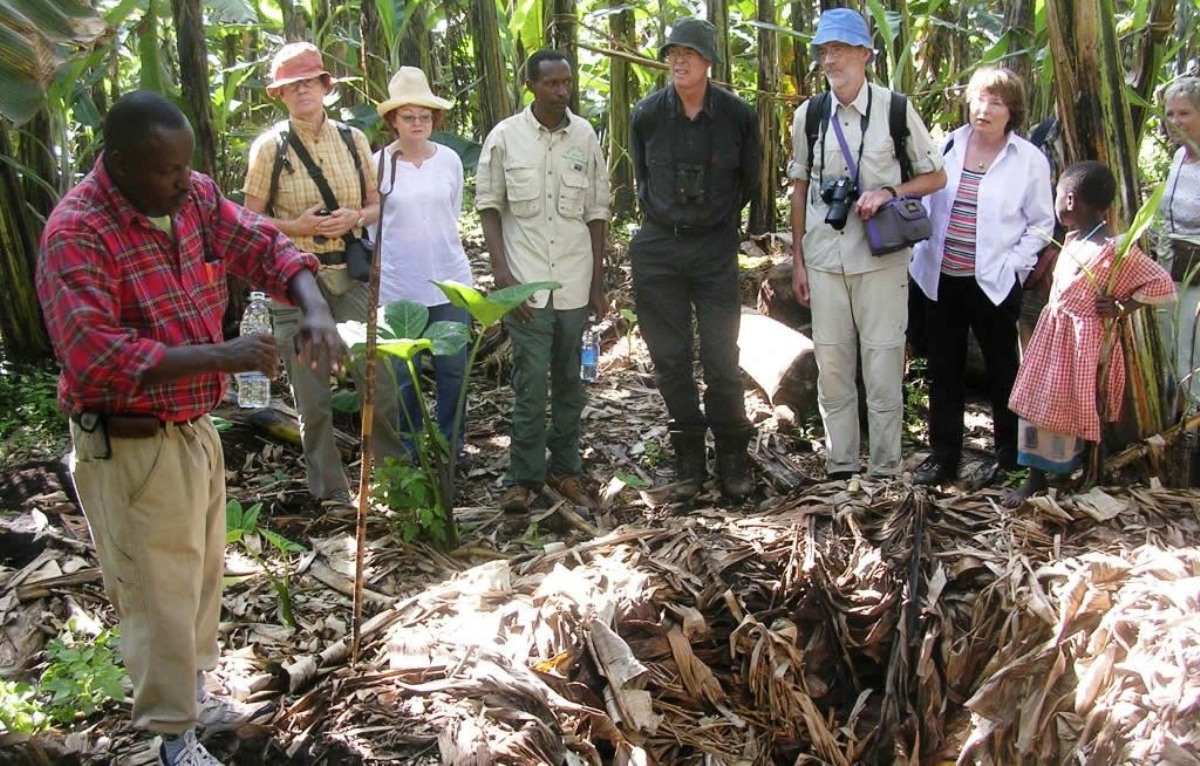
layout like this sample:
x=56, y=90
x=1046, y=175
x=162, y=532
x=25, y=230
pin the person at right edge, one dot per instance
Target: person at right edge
x=696, y=158
x=859, y=301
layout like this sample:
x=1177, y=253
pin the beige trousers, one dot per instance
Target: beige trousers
x=156, y=509
x=861, y=316
x=310, y=388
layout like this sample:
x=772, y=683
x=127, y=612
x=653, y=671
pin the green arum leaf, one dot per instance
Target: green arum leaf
x=448, y=337
x=628, y=315
x=347, y=402
x=281, y=543
x=473, y=302
x=489, y=310
x=403, y=319
x=405, y=348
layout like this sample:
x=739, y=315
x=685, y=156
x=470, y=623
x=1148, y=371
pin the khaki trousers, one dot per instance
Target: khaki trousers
x=310, y=388
x=156, y=509
x=853, y=316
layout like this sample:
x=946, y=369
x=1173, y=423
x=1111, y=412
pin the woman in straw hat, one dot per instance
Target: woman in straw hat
x=423, y=187
x=279, y=184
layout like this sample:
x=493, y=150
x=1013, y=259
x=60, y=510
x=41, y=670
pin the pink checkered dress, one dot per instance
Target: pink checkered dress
x=1056, y=385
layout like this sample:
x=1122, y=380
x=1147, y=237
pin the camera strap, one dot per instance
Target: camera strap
x=851, y=165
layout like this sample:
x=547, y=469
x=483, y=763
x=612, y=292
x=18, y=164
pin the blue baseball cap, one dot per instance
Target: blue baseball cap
x=842, y=25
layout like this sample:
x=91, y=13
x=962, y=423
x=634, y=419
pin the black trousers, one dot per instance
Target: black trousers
x=962, y=306
x=673, y=277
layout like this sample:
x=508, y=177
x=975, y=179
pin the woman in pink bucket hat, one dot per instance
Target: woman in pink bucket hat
x=422, y=185
x=324, y=212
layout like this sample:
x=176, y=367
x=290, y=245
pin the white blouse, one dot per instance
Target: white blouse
x=420, y=227
x=1015, y=217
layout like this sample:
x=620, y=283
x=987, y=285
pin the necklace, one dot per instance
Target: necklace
x=1097, y=228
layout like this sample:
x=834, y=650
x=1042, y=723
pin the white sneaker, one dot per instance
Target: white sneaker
x=217, y=714
x=192, y=754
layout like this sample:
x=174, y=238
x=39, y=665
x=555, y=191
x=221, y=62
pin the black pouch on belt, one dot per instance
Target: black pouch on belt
x=132, y=426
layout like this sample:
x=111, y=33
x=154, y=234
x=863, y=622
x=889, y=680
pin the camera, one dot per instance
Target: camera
x=839, y=194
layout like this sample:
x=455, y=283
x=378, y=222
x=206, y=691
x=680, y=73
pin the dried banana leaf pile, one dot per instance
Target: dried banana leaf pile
x=815, y=632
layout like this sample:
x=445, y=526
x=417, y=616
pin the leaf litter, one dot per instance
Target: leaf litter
x=832, y=623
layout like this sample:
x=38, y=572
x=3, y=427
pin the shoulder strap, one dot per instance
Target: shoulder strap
x=816, y=116
x=281, y=161
x=348, y=140
x=898, y=126
x=949, y=145
x=318, y=175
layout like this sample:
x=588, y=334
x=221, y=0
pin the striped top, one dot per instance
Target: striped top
x=959, y=254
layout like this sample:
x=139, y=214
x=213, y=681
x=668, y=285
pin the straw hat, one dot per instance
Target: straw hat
x=410, y=86
x=295, y=62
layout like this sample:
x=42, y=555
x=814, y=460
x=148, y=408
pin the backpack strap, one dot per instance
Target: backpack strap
x=348, y=140
x=816, y=115
x=898, y=127
x=281, y=161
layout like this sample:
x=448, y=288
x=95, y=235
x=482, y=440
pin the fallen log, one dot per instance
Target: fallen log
x=281, y=423
x=780, y=360
x=777, y=301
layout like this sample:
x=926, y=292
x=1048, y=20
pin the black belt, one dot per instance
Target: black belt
x=127, y=426
x=331, y=259
x=689, y=230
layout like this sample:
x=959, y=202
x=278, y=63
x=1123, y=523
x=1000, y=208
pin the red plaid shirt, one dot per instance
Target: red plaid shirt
x=117, y=292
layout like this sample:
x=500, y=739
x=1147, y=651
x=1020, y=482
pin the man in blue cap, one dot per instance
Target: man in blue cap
x=696, y=157
x=859, y=301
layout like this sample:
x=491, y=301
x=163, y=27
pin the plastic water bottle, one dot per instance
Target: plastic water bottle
x=589, y=353
x=254, y=388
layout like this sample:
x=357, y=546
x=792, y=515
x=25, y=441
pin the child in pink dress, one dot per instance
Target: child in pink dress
x=1055, y=392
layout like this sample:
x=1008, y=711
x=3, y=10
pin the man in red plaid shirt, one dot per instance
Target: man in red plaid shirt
x=132, y=280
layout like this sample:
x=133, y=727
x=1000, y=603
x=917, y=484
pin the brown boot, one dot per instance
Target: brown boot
x=516, y=499
x=573, y=489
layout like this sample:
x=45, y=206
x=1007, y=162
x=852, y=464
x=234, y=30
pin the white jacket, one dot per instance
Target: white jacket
x=1015, y=218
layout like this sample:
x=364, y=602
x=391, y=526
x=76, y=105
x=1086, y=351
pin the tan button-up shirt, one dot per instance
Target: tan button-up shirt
x=825, y=248
x=547, y=185
x=297, y=192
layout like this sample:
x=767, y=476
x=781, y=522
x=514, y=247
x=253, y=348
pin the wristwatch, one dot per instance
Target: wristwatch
x=892, y=189
x=362, y=220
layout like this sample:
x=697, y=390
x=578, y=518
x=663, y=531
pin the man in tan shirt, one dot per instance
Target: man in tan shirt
x=542, y=193
x=293, y=200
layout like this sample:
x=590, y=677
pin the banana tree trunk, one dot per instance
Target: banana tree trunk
x=22, y=329
x=414, y=41
x=718, y=14
x=1148, y=55
x=561, y=29
x=762, y=207
x=1090, y=85
x=193, y=79
x=491, y=69
x=372, y=52
x=1018, y=25
x=622, y=95
x=801, y=60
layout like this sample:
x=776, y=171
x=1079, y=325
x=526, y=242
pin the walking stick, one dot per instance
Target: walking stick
x=368, y=411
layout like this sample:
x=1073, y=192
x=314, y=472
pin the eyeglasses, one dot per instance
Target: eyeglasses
x=681, y=53
x=294, y=87
x=413, y=119
x=832, y=52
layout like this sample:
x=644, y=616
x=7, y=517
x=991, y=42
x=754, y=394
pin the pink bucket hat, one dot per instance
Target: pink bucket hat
x=295, y=62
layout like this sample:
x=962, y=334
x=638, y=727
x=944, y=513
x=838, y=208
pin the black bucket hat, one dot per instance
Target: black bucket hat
x=697, y=34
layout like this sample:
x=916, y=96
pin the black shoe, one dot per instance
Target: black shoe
x=932, y=473
x=690, y=468
x=733, y=467
x=839, y=475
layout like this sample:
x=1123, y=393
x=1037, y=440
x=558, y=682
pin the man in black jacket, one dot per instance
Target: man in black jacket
x=696, y=157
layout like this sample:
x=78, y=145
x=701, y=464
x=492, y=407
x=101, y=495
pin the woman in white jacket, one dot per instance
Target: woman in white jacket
x=990, y=221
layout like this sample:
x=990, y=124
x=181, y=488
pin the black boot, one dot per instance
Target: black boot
x=733, y=467
x=690, y=471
